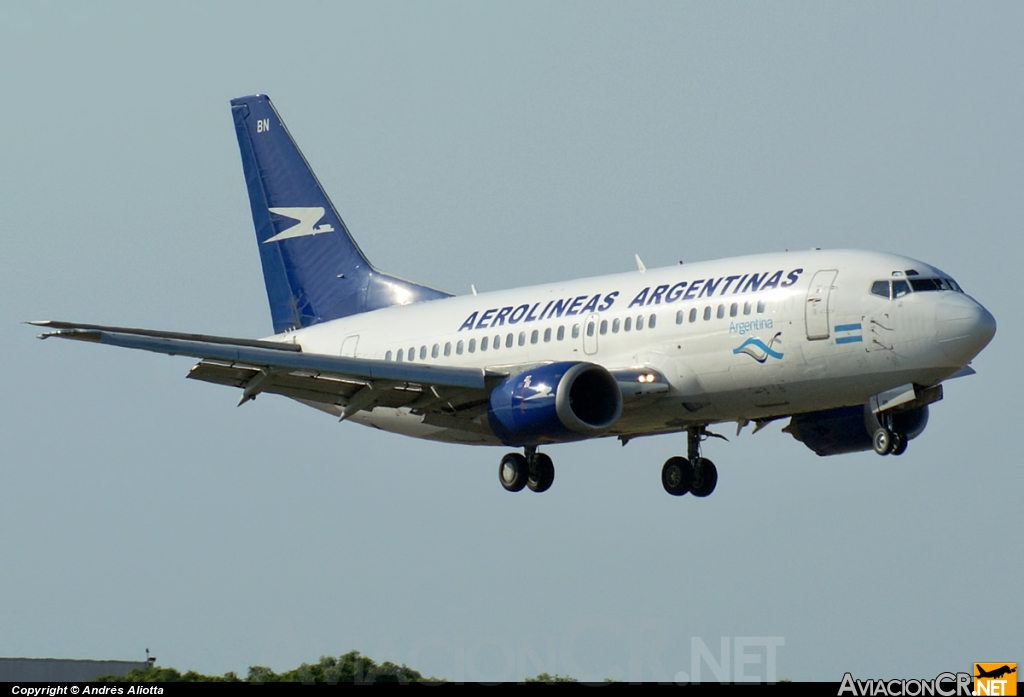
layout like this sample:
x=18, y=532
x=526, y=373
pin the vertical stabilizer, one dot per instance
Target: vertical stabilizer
x=313, y=269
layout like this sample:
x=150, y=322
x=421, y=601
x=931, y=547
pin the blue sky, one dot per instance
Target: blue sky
x=497, y=145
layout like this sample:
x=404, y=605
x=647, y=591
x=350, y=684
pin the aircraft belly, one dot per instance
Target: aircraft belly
x=405, y=423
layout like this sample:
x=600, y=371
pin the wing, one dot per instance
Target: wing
x=453, y=397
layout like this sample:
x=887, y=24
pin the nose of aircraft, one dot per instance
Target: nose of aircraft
x=962, y=327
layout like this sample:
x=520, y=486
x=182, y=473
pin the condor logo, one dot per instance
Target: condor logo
x=995, y=678
x=307, y=225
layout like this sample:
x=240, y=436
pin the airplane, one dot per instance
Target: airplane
x=851, y=346
x=995, y=673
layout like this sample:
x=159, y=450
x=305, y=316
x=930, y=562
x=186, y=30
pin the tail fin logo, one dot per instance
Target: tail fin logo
x=307, y=225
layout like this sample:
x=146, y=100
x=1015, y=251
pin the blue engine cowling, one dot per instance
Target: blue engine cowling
x=849, y=429
x=554, y=403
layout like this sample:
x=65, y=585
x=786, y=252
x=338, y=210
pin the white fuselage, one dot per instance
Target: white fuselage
x=737, y=339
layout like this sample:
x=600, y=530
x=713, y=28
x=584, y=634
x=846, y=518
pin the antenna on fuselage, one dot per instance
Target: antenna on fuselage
x=640, y=264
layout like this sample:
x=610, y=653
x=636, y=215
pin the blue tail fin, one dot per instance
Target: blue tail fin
x=313, y=269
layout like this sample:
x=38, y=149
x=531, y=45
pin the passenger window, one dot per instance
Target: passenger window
x=508, y=340
x=561, y=332
x=604, y=326
x=575, y=331
x=679, y=317
x=387, y=356
x=423, y=353
x=458, y=348
x=522, y=338
x=707, y=313
x=401, y=353
x=900, y=288
x=433, y=351
x=652, y=321
x=590, y=329
x=534, y=336
x=628, y=324
x=496, y=344
x=448, y=348
x=639, y=322
x=483, y=343
x=734, y=309
x=881, y=289
x=615, y=326
x=472, y=345
x=547, y=335
x=693, y=314
x=721, y=311
x=746, y=308
x=760, y=306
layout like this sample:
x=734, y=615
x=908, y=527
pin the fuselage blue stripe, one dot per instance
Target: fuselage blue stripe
x=848, y=327
x=849, y=339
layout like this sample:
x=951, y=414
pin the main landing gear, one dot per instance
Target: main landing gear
x=534, y=470
x=695, y=474
x=888, y=440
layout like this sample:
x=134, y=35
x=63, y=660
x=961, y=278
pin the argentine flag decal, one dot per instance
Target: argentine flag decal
x=849, y=333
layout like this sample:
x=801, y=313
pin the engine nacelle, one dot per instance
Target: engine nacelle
x=849, y=429
x=554, y=403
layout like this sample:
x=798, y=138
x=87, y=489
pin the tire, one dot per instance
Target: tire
x=882, y=441
x=899, y=444
x=542, y=474
x=513, y=472
x=705, y=478
x=677, y=475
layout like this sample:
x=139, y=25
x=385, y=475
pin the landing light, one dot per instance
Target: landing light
x=646, y=377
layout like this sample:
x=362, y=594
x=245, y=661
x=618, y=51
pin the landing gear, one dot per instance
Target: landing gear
x=705, y=477
x=513, y=472
x=677, y=475
x=542, y=473
x=899, y=444
x=882, y=441
x=695, y=474
x=887, y=439
x=534, y=470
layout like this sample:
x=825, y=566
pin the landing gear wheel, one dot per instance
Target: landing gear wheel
x=882, y=441
x=899, y=444
x=705, y=477
x=513, y=472
x=542, y=473
x=677, y=475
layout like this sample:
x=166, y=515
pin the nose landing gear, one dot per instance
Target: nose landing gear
x=888, y=440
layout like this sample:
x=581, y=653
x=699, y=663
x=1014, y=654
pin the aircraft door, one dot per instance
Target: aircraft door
x=590, y=335
x=348, y=347
x=816, y=309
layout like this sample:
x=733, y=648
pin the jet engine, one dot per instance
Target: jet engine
x=554, y=403
x=849, y=429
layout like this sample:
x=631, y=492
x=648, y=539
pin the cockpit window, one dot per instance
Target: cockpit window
x=921, y=285
x=927, y=284
x=899, y=288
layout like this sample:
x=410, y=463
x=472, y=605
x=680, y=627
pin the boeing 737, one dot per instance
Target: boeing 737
x=851, y=346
